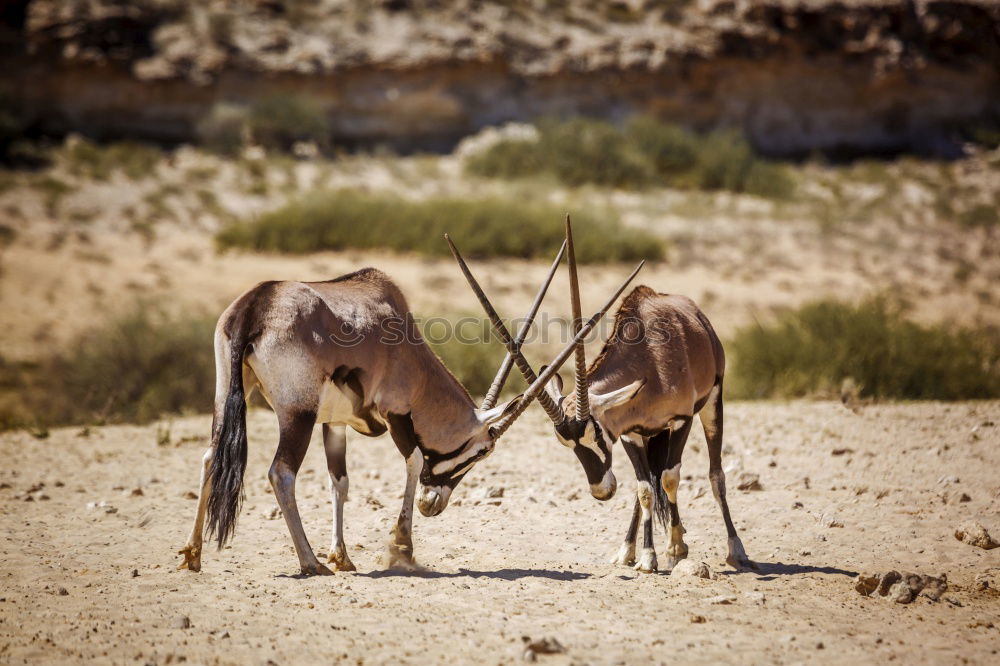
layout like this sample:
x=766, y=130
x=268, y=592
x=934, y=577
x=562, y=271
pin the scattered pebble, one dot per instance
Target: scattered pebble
x=63, y=592
x=547, y=645
x=190, y=495
x=975, y=534
x=748, y=481
x=721, y=600
x=182, y=622
x=135, y=573
x=698, y=619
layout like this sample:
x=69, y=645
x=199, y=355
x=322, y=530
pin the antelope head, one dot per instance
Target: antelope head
x=572, y=416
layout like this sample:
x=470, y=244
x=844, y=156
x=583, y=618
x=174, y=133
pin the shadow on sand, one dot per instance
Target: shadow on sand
x=500, y=574
x=771, y=570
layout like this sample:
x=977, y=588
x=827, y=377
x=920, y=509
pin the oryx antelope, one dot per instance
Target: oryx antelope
x=661, y=365
x=341, y=352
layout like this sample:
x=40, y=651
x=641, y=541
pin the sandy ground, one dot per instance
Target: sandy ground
x=82, y=584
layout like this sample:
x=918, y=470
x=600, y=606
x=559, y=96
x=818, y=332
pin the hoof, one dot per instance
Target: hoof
x=340, y=561
x=316, y=569
x=625, y=556
x=741, y=563
x=192, y=558
x=737, y=557
x=674, y=560
x=675, y=554
x=647, y=562
x=401, y=557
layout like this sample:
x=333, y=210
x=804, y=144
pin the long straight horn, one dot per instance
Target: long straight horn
x=582, y=397
x=554, y=411
x=508, y=362
x=537, y=388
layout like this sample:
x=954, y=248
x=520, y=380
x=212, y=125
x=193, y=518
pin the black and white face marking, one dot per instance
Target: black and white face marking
x=587, y=440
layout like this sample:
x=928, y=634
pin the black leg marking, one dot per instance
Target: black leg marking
x=644, y=495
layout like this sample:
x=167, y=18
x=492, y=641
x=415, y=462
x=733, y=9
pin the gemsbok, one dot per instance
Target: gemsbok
x=345, y=352
x=661, y=365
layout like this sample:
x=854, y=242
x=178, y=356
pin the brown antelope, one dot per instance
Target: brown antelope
x=661, y=365
x=344, y=352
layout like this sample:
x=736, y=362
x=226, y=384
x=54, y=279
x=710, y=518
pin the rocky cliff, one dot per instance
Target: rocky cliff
x=796, y=76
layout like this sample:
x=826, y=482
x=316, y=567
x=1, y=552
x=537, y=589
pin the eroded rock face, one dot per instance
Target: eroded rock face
x=863, y=74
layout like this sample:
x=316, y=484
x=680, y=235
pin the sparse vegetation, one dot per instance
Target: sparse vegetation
x=814, y=349
x=91, y=160
x=473, y=357
x=483, y=228
x=224, y=130
x=133, y=369
x=643, y=153
x=278, y=122
x=980, y=215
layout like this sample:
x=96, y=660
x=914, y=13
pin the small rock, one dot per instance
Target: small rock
x=136, y=492
x=984, y=581
x=273, y=514
x=975, y=534
x=748, y=482
x=798, y=505
x=866, y=584
x=948, y=480
x=182, y=622
x=964, y=497
x=756, y=597
x=934, y=587
x=63, y=592
x=840, y=452
x=547, y=645
x=698, y=619
x=721, y=600
x=135, y=573
x=190, y=495
x=692, y=568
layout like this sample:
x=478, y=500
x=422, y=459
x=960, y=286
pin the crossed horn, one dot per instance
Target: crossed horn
x=581, y=331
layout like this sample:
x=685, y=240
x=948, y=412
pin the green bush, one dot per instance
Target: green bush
x=980, y=215
x=645, y=152
x=224, y=129
x=482, y=228
x=814, y=349
x=90, y=160
x=473, y=358
x=278, y=121
x=135, y=368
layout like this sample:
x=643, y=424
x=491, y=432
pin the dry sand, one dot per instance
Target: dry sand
x=532, y=563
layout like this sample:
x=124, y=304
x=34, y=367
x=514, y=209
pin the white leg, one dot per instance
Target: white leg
x=647, y=557
x=192, y=551
x=401, y=545
x=335, y=444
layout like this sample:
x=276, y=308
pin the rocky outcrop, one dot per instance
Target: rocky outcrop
x=796, y=76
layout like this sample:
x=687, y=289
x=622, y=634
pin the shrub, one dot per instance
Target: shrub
x=643, y=153
x=278, y=121
x=224, y=129
x=980, y=215
x=475, y=358
x=135, y=368
x=482, y=228
x=90, y=160
x=817, y=347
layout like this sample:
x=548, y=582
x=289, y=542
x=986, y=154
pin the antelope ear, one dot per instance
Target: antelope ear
x=490, y=416
x=617, y=397
x=554, y=387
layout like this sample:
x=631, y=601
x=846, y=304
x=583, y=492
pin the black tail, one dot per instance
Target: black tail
x=660, y=507
x=230, y=458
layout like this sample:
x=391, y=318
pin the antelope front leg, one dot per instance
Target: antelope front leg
x=335, y=444
x=192, y=551
x=637, y=455
x=401, y=545
x=626, y=554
